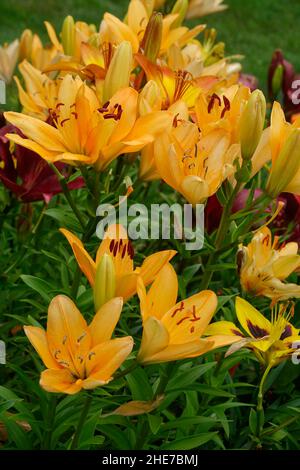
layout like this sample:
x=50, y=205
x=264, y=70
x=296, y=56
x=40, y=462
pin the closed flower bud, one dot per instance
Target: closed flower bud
x=277, y=80
x=105, y=281
x=285, y=166
x=180, y=8
x=68, y=35
x=151, y=41
x=252, y=123
x=118, y=74
x=26, y=44
x=150, y=98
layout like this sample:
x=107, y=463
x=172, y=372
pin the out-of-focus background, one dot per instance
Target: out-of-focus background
x=253, y=28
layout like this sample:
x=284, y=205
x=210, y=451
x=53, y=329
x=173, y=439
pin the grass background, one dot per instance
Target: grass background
x=253, y=28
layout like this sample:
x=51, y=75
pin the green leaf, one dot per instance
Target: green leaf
x=189, y=442
x=154, y=423
x=188, y=377
x=253, y=421
x=39, y=285
x=65, y=218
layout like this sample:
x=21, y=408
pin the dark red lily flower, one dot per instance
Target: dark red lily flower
x=287, y=221
x=26, y=174
x=213, y=209
x=289, y=217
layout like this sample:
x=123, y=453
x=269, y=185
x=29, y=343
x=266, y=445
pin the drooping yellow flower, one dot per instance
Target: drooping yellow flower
x=263, y=266
x=280, y=143
x=117, y=245
x=40, y=95
x=272, y=341
x=77, y=355
x=9, y=54
x=133, y=28
x=171, y=330
x=86, y=131
x=199, y=8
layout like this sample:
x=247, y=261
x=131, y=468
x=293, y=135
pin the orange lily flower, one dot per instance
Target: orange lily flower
x=171, y=330
x=193, y=165
x=271, y=341
x=77, y=355
x=117, y=245
x=263, y=266
x=86, y=131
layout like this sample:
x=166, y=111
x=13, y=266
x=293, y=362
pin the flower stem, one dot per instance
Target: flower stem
x=49, y=423
x=164, y=379
x=126, y=371
x=68, y=196
x=221, y=234
x=260, y=396
x=81, y=422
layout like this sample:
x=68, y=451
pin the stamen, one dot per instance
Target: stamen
x=214, y=97
x=179, y=309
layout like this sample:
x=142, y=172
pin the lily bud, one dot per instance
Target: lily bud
x=151, y=41
x=105, y=281
x=277, y=79
x=286, y=165
x=150, y=98
x=68, y=35
x=26, y=44
x=181, y=8
x=118, y=74
x=252, y=123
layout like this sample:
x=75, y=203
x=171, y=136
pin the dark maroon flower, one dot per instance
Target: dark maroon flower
x=213, y=209
x=26, y=174
x=249, y=80
x=288, y=219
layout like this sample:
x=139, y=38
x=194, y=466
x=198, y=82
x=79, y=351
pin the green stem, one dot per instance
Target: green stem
x=126, y=371
x=221, y=234
x=76, y=282
x=49, y=423
x=81, y=422
x=164, y=379
x=260, y=396
x=68, y=196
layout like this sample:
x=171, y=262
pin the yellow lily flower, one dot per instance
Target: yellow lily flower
x=133, y=28
x=9, y=54
x=41, y=93
x=171, y=330
x=117, y=245
x=175, y=85
x=271, y=341
x=77, y=355
x=86, y=131
x=199, y=8
x=263, y=266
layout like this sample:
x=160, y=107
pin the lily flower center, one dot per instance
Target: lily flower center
x=215, y=102
x=109, y=111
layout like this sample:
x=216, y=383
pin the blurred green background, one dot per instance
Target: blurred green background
x=253, y=28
